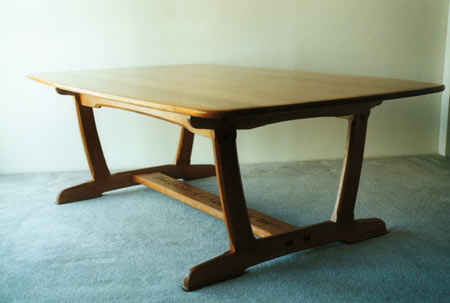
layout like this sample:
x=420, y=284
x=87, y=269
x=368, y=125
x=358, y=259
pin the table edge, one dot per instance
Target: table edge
x=219, y=114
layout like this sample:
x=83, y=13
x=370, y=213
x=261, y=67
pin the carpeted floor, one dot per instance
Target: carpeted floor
x=136, y=245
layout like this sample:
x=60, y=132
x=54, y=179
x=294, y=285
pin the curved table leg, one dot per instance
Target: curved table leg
x=245, y=250
x=183, y=156
x=235, y=214
x=103, y=180
x=94, y=155
x=345, y=204
x=185, y=145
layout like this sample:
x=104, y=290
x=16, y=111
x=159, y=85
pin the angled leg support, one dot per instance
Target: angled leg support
x=351, y=171
x=103, y=181
x=183, y=158
x=231, y=191
x=343, y=213
x=91, y=143
x=235, y=214
x=277, y=238
x=245, y=250
x=94, y=155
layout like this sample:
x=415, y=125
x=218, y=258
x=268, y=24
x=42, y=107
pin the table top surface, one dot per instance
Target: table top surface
x=212, y=91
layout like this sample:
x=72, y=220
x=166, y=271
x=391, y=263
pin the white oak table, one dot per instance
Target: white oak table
x=215, y=102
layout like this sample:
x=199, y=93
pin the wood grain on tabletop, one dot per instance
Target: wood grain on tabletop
x=215, y=91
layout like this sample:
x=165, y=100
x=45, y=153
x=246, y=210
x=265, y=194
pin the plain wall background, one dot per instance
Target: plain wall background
x=38, y=128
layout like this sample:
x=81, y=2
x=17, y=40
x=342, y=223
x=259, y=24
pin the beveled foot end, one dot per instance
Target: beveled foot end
x=96, y=188
x=221, y=268
x=84, y=191
x=231, y=265
x=363, y=229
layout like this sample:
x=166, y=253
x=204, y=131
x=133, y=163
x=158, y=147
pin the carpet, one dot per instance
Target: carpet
x=136, y=245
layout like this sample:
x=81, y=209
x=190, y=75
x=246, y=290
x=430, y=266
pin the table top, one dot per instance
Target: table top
x=211, y=91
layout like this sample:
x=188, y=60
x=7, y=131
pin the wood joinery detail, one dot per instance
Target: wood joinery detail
x=232, y=264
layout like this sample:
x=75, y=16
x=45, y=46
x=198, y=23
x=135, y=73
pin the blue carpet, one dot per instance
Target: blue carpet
x=136, y=245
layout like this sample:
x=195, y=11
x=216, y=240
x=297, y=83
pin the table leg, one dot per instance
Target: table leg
x=94, y=155
x=103, y=180
x=232, y=264
x=245, y=250
x=185, y=145
x=344, y=209
x=183, y=159
x=231, y=191
x=235, y=214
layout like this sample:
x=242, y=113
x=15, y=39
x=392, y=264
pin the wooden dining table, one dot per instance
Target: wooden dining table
x=215, y=102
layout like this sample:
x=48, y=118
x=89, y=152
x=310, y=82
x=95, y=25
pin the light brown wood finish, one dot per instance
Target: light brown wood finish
x=96, y=188
x=249, y=122
x=179, y=119
x=262, y=225
x=342, y=227
x=215, y=101
x=102, y=180
x=224, y=91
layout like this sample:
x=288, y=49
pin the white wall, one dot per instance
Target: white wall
x=38, y=128
x=444, y=130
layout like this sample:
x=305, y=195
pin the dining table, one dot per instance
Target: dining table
x=216, y=101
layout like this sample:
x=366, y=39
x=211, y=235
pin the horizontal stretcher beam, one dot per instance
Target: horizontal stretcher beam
x=262, y=225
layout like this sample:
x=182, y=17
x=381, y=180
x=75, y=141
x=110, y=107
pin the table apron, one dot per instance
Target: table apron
x=254, y=121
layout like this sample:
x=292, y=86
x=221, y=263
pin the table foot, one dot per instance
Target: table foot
x=218, y=269
x=231, y=265
x=364, y=229
x=84, y=191
x=96, y=188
